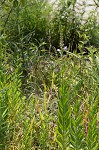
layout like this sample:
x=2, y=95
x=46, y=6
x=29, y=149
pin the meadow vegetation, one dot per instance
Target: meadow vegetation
x=49, y=76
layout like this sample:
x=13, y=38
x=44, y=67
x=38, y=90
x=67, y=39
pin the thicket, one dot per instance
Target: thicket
x=49, y=76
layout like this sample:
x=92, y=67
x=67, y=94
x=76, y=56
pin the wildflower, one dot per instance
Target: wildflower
x=58, y=50
x=65, y=48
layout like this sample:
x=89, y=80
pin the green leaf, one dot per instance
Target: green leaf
x=15, y=3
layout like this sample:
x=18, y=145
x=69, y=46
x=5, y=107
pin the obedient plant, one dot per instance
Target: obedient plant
x=76, y=125
x=77, y=110
x=63, y=113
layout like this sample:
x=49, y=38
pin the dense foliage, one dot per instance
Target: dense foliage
x=49, y=76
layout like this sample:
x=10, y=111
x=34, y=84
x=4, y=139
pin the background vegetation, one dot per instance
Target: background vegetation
x=49, y=76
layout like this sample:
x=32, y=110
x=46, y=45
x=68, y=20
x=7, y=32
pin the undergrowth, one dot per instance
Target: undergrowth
x=63, y=115
x=49, y=76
